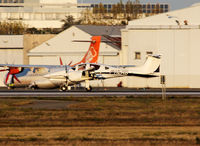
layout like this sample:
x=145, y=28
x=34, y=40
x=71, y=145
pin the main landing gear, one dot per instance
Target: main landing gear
x=89, y=89
x=33, y=87
x=65, y=88
x=87, y=86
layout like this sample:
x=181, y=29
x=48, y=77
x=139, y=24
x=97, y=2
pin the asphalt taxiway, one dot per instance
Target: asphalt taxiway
x=98, y=93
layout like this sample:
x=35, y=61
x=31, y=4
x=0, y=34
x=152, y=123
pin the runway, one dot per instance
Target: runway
x=55, y=93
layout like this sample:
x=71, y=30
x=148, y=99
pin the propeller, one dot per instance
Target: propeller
x=11, y=71
x=66, y=68
x=70, y=63
x=61, y=62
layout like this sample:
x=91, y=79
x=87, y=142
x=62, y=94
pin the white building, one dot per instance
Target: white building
x=39, y=13
x=62, y=45
x=176, y=36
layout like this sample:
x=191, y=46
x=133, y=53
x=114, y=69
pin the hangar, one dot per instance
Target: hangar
x=11, y=51
x=62, y=45
x=176, y=36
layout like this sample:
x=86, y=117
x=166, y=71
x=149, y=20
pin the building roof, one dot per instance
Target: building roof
x=101, y=30
x=63, y=43
x=108, y=33
x=186, y=16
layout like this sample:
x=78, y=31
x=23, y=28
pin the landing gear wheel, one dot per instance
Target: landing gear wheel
x=63, y=88
x=89, y=89
x=11, y=88
x=34, y=87
x=69, y=88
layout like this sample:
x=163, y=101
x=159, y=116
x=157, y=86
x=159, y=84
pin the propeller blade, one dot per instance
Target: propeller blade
x=3, y=70
x=61, y=63
x=70, y=63
x=7, y=78
x=12, y=80
x=65, y=68
x=16, y=78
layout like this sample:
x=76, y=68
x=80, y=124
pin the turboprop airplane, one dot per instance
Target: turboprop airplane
x=34, y=76
x=92, y=71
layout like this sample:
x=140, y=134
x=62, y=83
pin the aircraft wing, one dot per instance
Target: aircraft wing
x=123, y=66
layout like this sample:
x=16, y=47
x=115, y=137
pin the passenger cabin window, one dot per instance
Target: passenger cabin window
x=106, y=68
x=137, y=55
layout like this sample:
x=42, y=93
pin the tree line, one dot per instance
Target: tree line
x=130, y=9
x=19, y=28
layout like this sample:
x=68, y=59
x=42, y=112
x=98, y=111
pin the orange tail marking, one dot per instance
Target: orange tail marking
x=93, y=52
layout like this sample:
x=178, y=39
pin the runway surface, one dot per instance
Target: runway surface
x=56, y=93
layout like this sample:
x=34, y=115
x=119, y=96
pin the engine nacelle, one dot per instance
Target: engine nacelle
x=15, y=70
x=44, y=83
x=75, y=76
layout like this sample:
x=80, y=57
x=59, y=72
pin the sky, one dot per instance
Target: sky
x=174, y=4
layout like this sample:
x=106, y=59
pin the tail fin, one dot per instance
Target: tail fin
x=150, y=66
x=92, y=54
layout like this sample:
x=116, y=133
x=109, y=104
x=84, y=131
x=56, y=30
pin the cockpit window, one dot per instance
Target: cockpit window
x=96, y=67
x=81, y=67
